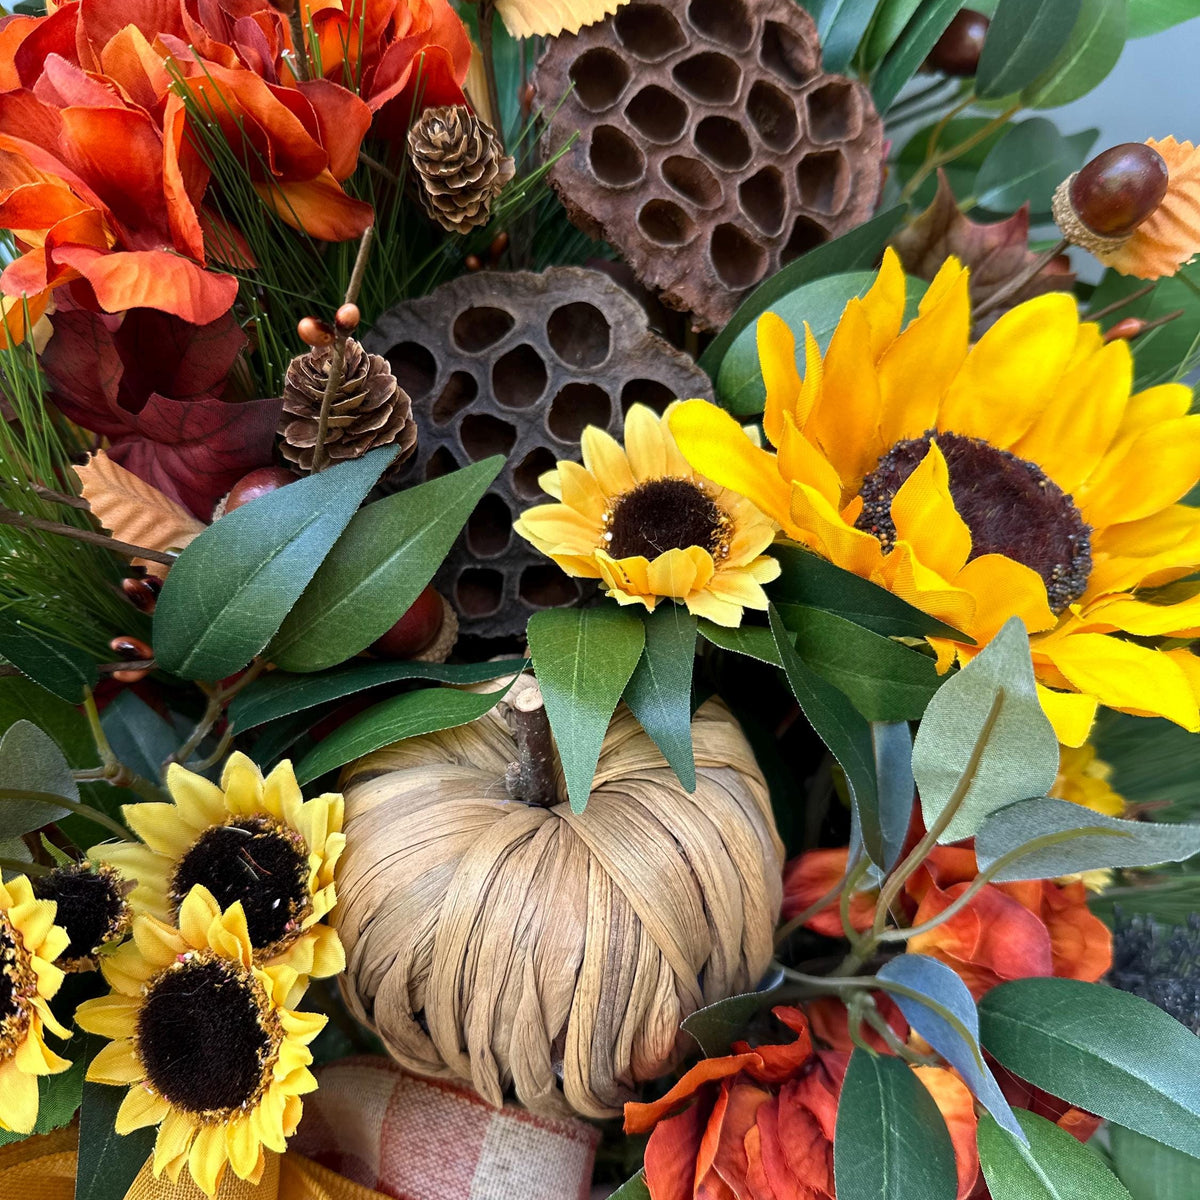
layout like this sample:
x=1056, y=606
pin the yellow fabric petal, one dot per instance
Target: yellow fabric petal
x=580, y=491
x=1070, y=713
x=200, y=802
x=111, y=1017
x=1011, y=373
x=174, y=1139
x=1168, y=618
x=645, y=444
x=242, y=1148
x=243, y=785
x=715, y=608
x=826, y=532
x=716, y=447
x=678, y=573
x=903, y=573
x=139, y=1109
x=800, y=461
x=626, y=575
x=1126, y=676
x=924, y=515
x=18, y=1100
x=883, y=305
x=281, y=795
x=606, y=461
x=208, y=1157
x=810, y=389
x=777, y=361
x=165, y=828
x=196, y=915
x=116, y=1063
x=1004, y=588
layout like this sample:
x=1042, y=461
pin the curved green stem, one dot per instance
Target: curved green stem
x=78, y=808
x=940, y=158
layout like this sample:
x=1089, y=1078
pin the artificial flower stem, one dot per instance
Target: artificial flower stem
x=76, y=807
x=802, y=918
x=115, y=772
x=337, y=361
x=218, y=699
x=126, y=549
x=899, y=1048
x=14, y=866
x=1018, y=281
x=933, y=161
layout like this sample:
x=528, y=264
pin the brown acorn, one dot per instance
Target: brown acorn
x=415, y=630
x=313, y=332
x=142, y=593
x=957, y=51
x=258, y=483
x=1115, y=192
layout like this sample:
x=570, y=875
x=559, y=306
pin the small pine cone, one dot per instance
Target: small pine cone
x=460, y=165
x=370, y=408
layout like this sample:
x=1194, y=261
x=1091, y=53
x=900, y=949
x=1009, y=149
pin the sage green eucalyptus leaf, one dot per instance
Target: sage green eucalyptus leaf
x=1153, y=16
x=1053, y=1166
x=1150, y=1170
x=891, y=1142
x=30, y=761
x=378, y=568
x=583, y=658
x=1105, y=1051
x=1024, y=38
x=229, y=591
x=1090, y=54
x=912, y=48
x=984, y=742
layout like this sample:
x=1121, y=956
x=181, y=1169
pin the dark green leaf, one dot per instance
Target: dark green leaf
x=659, y=692
x=414, y=713
x=1105, y=1051
x=1150, y=1170
x=985, y=742
x=962, y=170
x=140, y=738
x=853, y=251
x=377, y=569
x=884, y=830
x=1090, y=54
x=751, y=640
x=1063, y=838
x=889, y=23
x=22, y=699
x=58, y=1101
x=840, y=26
x=277, y=736
x=30, y=761
x=717, y=1026
x=1024, y=38
x=230, y=590
x=891, y=1142
x=838, y=724
x=1027, y=164
x=885, y=680
x=906, y=56
x=807, y=578
x=739, y=382
x=583, y=658
x=280, y=694
x=1153, y=16
x=108, y=1161
x=936, y=1003
x=1053, y=1166
x=632, y=1189
x=59, y=668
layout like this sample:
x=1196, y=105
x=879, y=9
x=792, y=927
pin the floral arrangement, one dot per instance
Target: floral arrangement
x=634, y=558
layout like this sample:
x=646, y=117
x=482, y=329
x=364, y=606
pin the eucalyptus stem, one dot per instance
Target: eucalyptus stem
x=16, y=867
x=940, y=158
x=76, y=807
x=218, y=700
x=1117, y=305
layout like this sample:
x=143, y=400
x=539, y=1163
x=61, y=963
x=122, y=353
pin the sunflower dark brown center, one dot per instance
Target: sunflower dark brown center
x=256, y=861
x=1010, y=506
x=662, y=515
x=201, y=1037
x=15, y=986
x=91, y=907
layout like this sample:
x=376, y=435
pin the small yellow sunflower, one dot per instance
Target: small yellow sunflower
x=1017, y=477
x=1083, y=778
x=253, y=841
x=650, y=528
x=29, y=943
x=206, y=1040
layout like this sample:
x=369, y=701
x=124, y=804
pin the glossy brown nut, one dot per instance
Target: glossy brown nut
x=473, y=262
x=498, y=247
x=257, y=483
x=130, y=648
x=1115, y=192
x=315, y=333
x=142, y=593
x=128, y=676
x=348, y=317
x=415, y=630
x=957, y=51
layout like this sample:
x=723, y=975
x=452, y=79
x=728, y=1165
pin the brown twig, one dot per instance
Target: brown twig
x=126, y=549
x=218, y=701
x=337, y=358
x=1117, y=305
x=532, y=778
x=137, y=664
x=1020, y=279
x=382, y=171
x=60, y=497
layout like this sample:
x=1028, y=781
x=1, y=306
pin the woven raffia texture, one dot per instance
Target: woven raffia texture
x=518, y=364
x=713, y=148
x=499, y=943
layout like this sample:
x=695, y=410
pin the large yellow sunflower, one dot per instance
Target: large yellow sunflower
x=1017, y=476
x=252, y=840
x=29, y=943
x=650, y=528
x=206, y=1040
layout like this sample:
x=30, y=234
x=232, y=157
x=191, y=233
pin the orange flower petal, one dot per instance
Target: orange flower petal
x=641, y=1117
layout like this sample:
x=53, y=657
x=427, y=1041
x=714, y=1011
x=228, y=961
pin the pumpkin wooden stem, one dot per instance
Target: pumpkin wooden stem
x=531, y=779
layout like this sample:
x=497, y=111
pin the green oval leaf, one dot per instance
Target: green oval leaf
x=377, y=569
x=659, y=692
x=59, y=668
x=1053, y=1166
x=1024, y=38
x=30, y=761
x=583, y=658
x=891, y=1142
x=1150, y=1170
x=230, y=590
x=1103, y=1050
x=888, y=24
x=1027, y=164
x=1061, y=838
x=393, y=720
x=912, y=49
x=751, y=640
x=1153, y=16
x=840, y=27
x=985, y=742
x=1090, y=54
x=717, y=1026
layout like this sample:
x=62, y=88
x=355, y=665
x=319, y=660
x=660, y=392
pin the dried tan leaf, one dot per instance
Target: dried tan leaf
x=995, y=252
x=135, y=511
x=549, y=18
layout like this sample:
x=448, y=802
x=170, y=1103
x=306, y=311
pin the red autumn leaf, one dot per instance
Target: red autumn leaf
x=996, y=252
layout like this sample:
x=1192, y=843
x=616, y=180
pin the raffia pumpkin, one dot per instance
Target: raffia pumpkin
x=513, y=945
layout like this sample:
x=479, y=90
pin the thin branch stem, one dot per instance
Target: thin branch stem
x=218, y=700
x=126, y=549
x=60, y=497
x=940, y=158
x=487, y=13
x=802, y=918
x=1117, y=305
x=16, y=867
x=337, y=356
x=77, y=807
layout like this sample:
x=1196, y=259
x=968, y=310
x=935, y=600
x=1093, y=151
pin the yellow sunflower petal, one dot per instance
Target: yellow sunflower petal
x=281, y=793
x=645, y=443
x=116, y=1063
x=715, y=608
x=679, y=573
x=1126, y=676
x=883, y=305
x=924, y=515
x=800, y=461
x=174, y=1139
x=777, y=361
x=607, y=462
x=1166, y=617
x=903, y=573
x=140, y=1108
x=1004, y=588
x=196, y=915
x=242, y=782
x=627, y=579
x=208, y=1157
x=1011, y=373
x=242, y=1148
x=580, y=491
x=1189, y=665
x=18, y=1099
x=831, y=536
x=810, y=389
x=112, y=1016
x=165, y=828
x=1070, y=713
x=716, y=447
